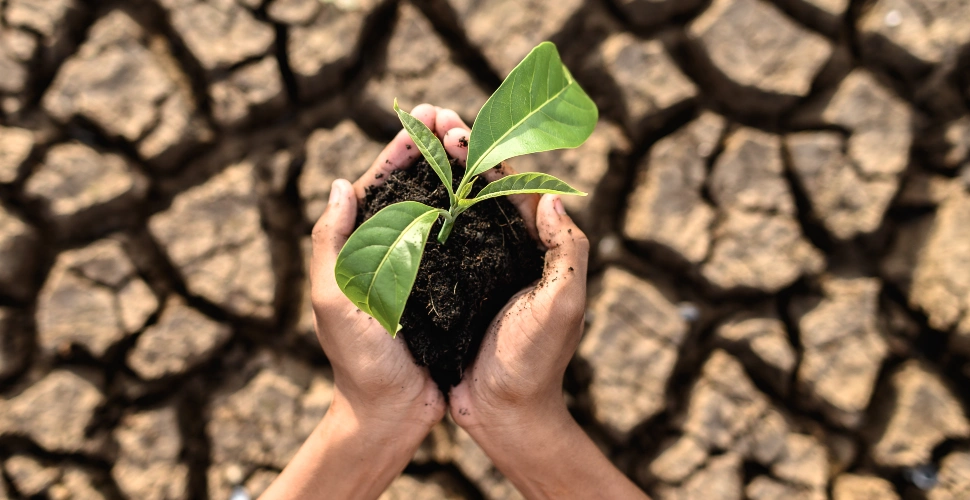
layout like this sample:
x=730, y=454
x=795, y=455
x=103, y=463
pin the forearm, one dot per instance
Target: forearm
x=345, y=457
x=551, y=457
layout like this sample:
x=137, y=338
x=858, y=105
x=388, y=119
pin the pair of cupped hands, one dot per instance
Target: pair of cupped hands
x=510, y=400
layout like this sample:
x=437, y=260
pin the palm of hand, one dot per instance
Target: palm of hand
x=526, y=350
x=372, y=371
x=364, y=355
x=521, y=361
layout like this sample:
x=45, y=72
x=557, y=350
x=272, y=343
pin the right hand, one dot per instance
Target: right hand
x=510, y=401
x=518, y=375
x=517, y=378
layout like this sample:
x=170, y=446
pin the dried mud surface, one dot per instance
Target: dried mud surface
x=780, y=273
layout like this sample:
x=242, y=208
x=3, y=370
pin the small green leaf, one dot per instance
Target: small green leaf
x=527, y=183
x=429, y=146
x=467, y=188
x=378, y=264
x=539, y=107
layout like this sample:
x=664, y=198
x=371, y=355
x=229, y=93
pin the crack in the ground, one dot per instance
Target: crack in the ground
x=193, y=390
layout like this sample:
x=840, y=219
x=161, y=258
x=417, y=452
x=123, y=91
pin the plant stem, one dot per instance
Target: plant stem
x=446, y=227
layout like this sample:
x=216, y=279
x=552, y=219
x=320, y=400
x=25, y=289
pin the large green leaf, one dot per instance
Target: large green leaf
x=429, y=146
x=539, y=107
x=378, y=264
x=523, y=184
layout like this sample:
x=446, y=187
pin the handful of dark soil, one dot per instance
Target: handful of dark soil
x=463, y=284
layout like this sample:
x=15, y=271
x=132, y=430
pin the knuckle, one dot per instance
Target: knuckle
x=318, y=298
x=573, y=303
x=323, y=296
x=571, y=306
x=580, y=240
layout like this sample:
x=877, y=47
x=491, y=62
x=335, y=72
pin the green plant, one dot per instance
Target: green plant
x=539, y=107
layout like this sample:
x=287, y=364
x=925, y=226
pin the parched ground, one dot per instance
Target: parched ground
x=780, y=213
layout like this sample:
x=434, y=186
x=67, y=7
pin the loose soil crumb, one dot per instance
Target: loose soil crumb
x=462, y=285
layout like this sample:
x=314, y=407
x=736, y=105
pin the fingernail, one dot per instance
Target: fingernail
x=557, y=205
x=336, y=192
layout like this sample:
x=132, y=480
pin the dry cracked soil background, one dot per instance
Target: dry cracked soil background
x=780, y=212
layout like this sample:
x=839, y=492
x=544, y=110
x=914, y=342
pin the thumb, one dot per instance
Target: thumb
x=564, y=276
x=332, y=230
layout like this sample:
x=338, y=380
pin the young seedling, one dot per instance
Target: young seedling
x=539, y=107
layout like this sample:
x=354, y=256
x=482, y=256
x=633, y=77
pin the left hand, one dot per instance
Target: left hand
x=516, y=379
x=383, y=404
x=375, y=376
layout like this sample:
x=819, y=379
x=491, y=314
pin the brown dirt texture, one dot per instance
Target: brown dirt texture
x=779, y=200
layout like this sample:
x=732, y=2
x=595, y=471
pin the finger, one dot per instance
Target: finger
x=454, y=134
x=456, y=144
x=564, y=277
x=330, y=233
x=399, y=153
x=447, y=119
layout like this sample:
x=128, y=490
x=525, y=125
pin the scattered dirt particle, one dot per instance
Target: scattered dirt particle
x=407, y=146
x=379, y=176
x=463, y=142
x=570, y=269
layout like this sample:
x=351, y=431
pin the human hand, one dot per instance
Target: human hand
x=516, y=380
x=510, y=401
x=517, y=377
x=383, y=404
x=375, y=377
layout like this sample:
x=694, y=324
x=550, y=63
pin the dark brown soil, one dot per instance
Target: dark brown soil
x=463, y=284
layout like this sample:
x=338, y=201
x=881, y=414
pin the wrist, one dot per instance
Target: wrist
x=530, y=450
x=547, y=455
x=351, y=455
x=513, y=422
x=409, y=408
x=397, y=429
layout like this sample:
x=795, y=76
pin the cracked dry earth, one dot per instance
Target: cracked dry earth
x=779, y=210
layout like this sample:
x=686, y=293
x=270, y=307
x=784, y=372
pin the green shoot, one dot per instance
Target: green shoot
x=539, y=107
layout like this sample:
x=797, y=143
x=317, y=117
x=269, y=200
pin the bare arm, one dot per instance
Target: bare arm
x=384, y=404
x=347, y=456
x=510, y=400
x=551, y=457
